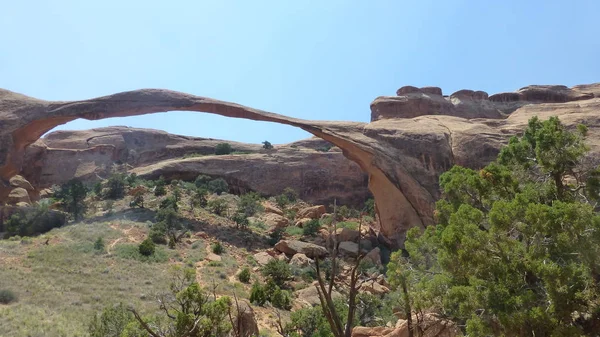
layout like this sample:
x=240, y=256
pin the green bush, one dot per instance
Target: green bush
x=369, y=207
x=158, y=233
x=275, y=236
x=99, y=244
x=217, y=206
x=244, y=275
x=71, y=196
x=30, y=223
x=132, y=180
x=288, y=196
x=115, y=186
x=110, y=322
x=7, y=296
x=258, y=294
x=281, y=299
x=278, y=271
x=147, y=247
x=311, y=228
x=241, y=220
x=218, y=248
x=293, y=231
x=249, y=204
x=97, y=188
x=267, y=145
x=223, y=148
x=202, y=181
x=199, y=198
x=217, y=186
x=138, y=199
x=160, y=187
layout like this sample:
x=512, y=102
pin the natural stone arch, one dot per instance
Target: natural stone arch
x=25, y=119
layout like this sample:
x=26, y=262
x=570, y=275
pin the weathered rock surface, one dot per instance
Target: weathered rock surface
x=18, y=195
x=430, y=324
x=245, y=320
x=292, y=247
x=263, y=258
x=19, y=181
x=274, y=220
x=348, y=248
x=310, y=297
x=90, y=155
x=300, y=260
x=313, y=212
x=403, y=151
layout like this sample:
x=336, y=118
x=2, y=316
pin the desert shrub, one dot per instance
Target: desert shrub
x=244, y=275
x=249, y=204
x=115, y=186
x=160, y=187
x=241, y=221
x=345, y=212
x=32, y=222
x=258, y=294
x=199, y=197
x=293, y=231
x=218, y=248
x=111, y=322
x=223, y=148
x=281, y=299
x=169, y=202
x=311, y=228
x=217, y=206
x=217, y=186
x=158, y=233
x=267, y=145
x=138, y=199
x=99, y=244
x=202, y=181
x=132, y=180
x=7, y=296
x=71, y=196
x=347, y=224
x=369, y=207
x=97, y=189
x=275, y=236
x=324, y=148
x=278, y=271
x=109, y=207
x=147, y=247
x=288, y=196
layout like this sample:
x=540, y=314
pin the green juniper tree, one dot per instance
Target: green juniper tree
x=515, y=251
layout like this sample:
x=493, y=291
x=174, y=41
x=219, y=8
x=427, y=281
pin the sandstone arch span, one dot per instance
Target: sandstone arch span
x=411, y=140
x=25, y=119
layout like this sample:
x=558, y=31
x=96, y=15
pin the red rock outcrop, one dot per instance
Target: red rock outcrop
x=402, y=156
x=89, y=155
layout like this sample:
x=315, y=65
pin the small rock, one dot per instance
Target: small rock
x=310, y=297
x=46, y=193
x=374, y=255
x=374, y=288
x=292, y=247
x=19, y=181
x=301, y=260
x=263, y=258
x=213, y=257
x=17, y=195
x=346, y=234
x=301, y=222
x=348, y=248
x=275, y=220
x=270, y=208
x=313, y=212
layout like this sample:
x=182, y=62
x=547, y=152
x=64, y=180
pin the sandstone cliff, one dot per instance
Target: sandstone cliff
x=413, y=138
x=90, y=155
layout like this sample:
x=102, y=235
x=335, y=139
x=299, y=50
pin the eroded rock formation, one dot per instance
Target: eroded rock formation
x=411, y=141
x=89, y=155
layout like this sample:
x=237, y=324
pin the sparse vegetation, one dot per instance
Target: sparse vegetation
x=115, y=186
x=218, y=248
x=278, y=271
x=244, y=275
x=71, y=196
x=217, y=206
x=7, y=296
x=267, y=145
x=217, y=186
x=223, y=148
x=311, y=228
x=147, y=247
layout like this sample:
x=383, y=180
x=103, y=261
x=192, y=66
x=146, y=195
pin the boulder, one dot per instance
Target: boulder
x=263, y=258
x=245, y=320
x=46, y=193
x=374, y=256
x=373, y=288
x=292, y=247
x=301, y=222
x=213, y=257
x=348, y=248
x=430, y=324
x=19, y=181
x=347, y=234
x=301, y=260
x=18, y=195
x=275, y=220
x=364, y=331
x=270, y=208
x=313, y=212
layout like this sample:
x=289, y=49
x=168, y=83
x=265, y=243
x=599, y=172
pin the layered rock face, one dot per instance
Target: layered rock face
x=89, y=155
x=413, y=138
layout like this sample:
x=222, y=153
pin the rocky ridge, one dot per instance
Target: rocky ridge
x=413, y=137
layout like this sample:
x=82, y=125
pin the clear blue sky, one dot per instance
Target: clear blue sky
x=321, y=59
